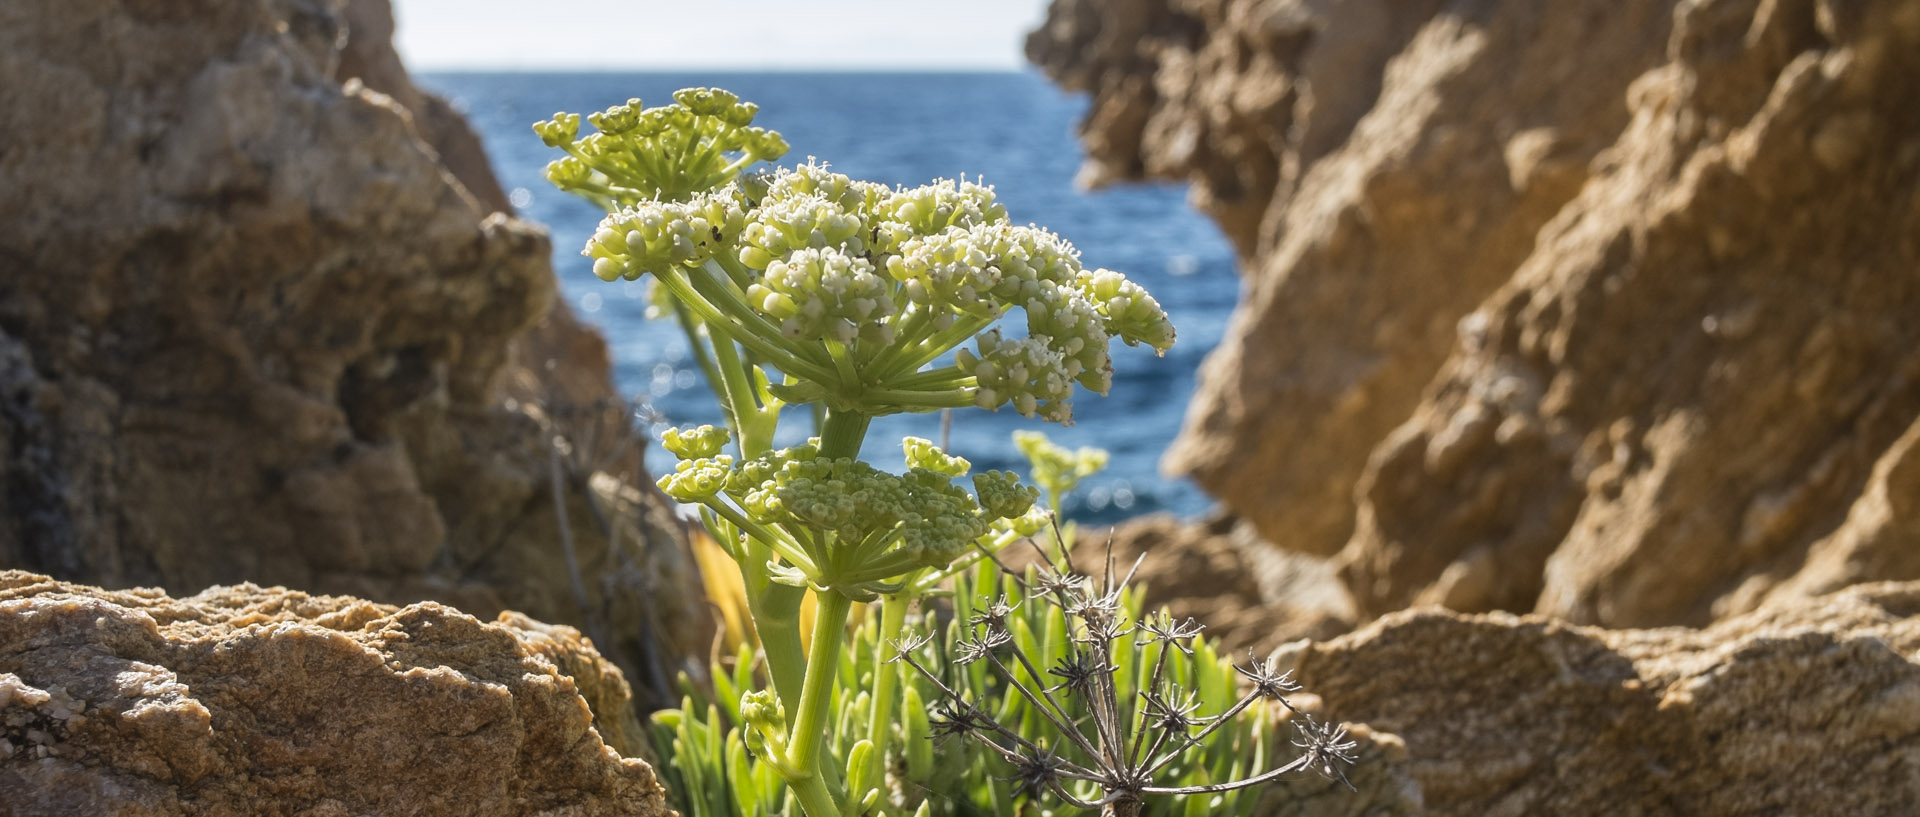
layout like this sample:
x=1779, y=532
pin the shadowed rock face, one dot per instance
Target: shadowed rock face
x=261, y=315
x=1599, y=309
x=244, y=700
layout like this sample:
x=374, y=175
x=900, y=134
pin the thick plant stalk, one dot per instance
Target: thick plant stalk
x=776, y=619
x=842, y=434
x=809, y=724
x=893, y=619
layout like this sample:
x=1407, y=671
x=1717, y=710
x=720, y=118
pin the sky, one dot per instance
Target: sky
x=439, y=35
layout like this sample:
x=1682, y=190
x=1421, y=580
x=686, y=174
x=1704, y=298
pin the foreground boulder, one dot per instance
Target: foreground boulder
x=1808, y=707
x=1602, y=309
x=263, y=701
x=263, y=317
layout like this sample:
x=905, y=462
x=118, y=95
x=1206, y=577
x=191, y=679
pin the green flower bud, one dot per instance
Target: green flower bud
x=762, y=710
x=922, y=453
x=1025, y=372
x=932, y=208
x=698, y=480
x=1128, y=310
x=568, y=173
x=1057, y=469
x=707, y=101
x=699, y=443
x=666, y=153
x=1033, y=521
x=1001, y=494
x=822, y=294
x=616, y=120
x=558, y=131
x=936, y=541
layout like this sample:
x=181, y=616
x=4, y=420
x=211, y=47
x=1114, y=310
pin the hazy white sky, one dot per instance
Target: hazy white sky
x=644, y=34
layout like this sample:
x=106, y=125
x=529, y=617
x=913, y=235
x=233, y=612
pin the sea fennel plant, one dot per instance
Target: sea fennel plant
x=804, y=286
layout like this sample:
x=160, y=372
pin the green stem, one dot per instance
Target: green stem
x=785, y=546
x=692, y=331
x=713, y=283
x=963, y=327
x=843, y=363
x=681, y=287
x=880, y=569
x=893, y=619
x=776, y=618
x=754, y=426
x=814, y=797
x=842, y=434
x=911, y=331
x=944, y=377
x=816, y=696
x=922, y=400
x=931, y=581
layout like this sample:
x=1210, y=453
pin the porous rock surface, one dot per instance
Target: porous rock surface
x=263, y=701
x=1807, y=706
x=1602, y=309
x=264, y=317
x=1219, y=573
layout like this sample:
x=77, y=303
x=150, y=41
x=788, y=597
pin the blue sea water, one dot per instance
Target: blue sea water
x=1013, y=129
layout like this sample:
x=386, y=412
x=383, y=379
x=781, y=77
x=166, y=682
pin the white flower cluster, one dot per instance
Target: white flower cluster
x=874, y=283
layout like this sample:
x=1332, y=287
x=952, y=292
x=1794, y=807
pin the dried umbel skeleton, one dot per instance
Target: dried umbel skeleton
x=1101, y=745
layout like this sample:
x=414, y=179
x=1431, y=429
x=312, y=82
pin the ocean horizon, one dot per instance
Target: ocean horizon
x=1010, y=128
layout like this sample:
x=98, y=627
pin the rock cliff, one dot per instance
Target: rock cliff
x=264, y=316
x=244, y=700
x=1598, y=309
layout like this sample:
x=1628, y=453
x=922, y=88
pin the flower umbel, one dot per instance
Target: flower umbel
x=857, y=290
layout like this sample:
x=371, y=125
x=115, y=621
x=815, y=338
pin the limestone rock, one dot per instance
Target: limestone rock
x=1381, y=167
x=1599, y=309
x=263, y=318
x=1692, y=377
x=1810, y=706
x=249, y=700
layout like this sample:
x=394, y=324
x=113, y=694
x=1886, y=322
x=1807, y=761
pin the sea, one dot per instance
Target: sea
x=1014, y=130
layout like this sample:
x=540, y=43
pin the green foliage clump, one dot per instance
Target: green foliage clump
x=805, y=286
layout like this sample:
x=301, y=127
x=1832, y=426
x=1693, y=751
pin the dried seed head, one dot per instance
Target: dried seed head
x=1050, y=582
x=967, y=652
x=1077, y=671
x=1172, y=712
x=1035, y=771
x=993, y=616
x=957, y=718
x=911, y=643
x=1327, y=749
x=1267, y=678
x=1162, y=627
x=1104, y=627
